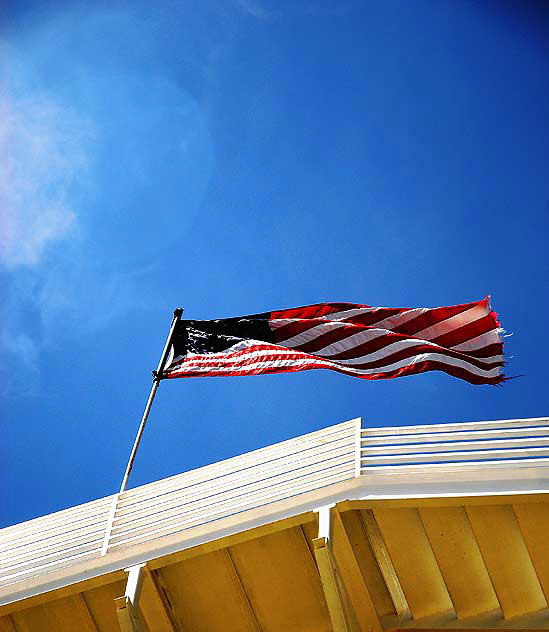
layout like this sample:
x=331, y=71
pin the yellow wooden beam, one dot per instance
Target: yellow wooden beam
x=126, y=613
x=154, y=604
x=239, y=587
x=487, y=629
x=533, y=521
x=385, y=564
x=507, y=559
x=443, y=501
x=232, y=540
x=6, y=624
x=61, y=593
x=460, y=560
x=332, y=591
x=351, y=574
x=82, y=607
x=414, y=561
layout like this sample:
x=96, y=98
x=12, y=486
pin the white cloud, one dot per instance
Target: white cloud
x=89, y=143
x=41, y=156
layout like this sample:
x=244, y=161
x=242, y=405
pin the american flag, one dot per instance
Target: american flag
x=368, y=342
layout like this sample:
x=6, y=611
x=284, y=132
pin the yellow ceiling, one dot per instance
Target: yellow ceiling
x=458, y=563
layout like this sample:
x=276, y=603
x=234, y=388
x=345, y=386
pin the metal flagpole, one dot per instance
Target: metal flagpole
x=156, y=383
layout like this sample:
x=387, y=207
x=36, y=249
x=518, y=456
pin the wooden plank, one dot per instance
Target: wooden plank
x=154, y=605
x=443, y=501
x=460, y=426
x=229, y=507
x=332, y=592
x=7, y=625
x=349, y=570
x=44, y=559
x=427, y=449
x=385, y=564
x=289, y=466
x=60, y=593
x=82, y=606
x=232, y=540
x=465, y=455
x=48, y=564
x=507, y=433
x=533, y=520
x=470, y=629
x=204, y=596
x=128, y=618
x=18, y=555
x=100, y=602
x=414, y=561
x=81, y=515
x=507, y=559
x=63, y=615
x=210, y=493
x=239, y=587
x=282, y=582
x=230, y=467
x=459, y=559
x=367, y=563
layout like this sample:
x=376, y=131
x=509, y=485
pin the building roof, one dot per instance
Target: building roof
x=431, y=527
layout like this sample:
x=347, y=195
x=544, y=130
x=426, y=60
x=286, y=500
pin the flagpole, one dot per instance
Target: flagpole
x=156, y=383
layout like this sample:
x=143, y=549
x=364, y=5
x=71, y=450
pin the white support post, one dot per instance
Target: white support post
x=331, y=584
x=358, y=446
x=134, y=583
x=324, y=521
x=127, y=607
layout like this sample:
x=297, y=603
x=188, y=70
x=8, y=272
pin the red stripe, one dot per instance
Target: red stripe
x=486, y=352
x=314, y=311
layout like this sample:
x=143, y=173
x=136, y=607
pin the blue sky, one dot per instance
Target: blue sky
x=241, y=156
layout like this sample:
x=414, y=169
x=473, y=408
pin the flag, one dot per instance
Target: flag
x=367, y=342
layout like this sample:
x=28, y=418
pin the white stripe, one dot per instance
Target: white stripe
x=243, y=363
x=479, y=342
x=454, y=322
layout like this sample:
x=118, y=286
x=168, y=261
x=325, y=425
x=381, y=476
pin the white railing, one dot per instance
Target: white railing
x=486, y=442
